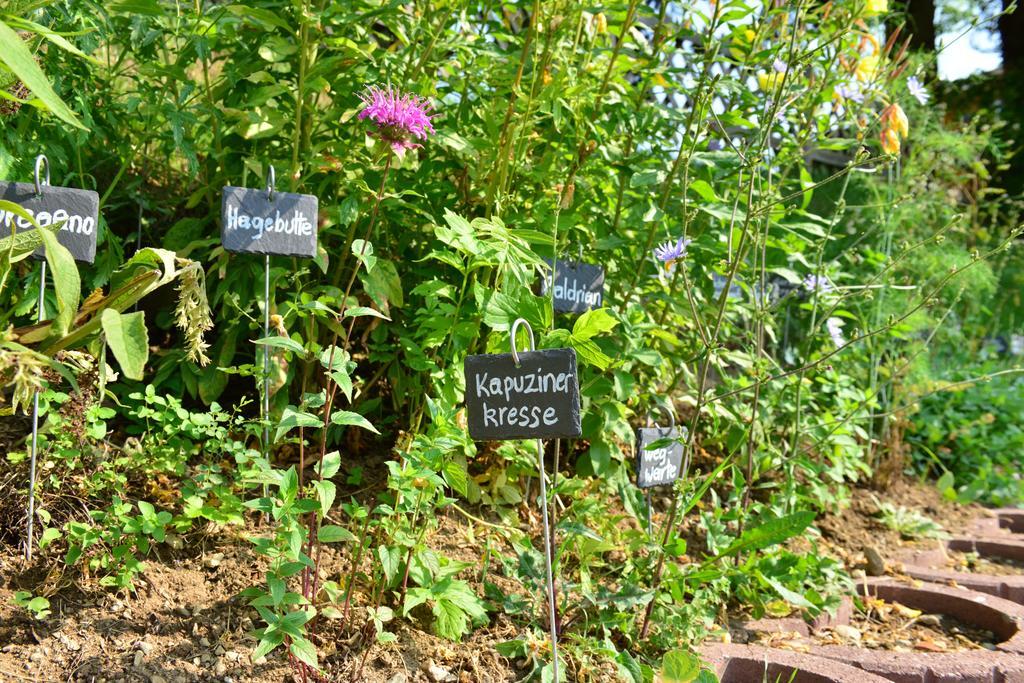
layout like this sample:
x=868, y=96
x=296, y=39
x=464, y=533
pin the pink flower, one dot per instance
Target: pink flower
x=399, y=117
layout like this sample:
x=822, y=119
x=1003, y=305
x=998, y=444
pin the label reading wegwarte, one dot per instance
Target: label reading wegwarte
x=661, y=465
x=579, y=287
x=284, y=224
x=540, y=399
x=76, y=210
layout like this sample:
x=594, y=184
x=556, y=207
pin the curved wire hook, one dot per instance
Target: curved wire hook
x=271, y=182
x=579, y=253
x=41, y=160
x=671, y=417
x=512, y=338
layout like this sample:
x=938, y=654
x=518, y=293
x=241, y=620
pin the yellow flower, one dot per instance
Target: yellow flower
x=768, y=82
x=894, y=118
x=600, y=22
x=867, y=68
x=890, y=141
x=877, y=7
x=742, y=45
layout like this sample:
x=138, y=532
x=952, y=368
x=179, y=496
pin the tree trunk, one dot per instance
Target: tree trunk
x=921, y=24
x=1011, y=32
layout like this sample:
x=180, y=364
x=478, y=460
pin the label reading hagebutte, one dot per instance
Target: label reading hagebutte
x=283, y=223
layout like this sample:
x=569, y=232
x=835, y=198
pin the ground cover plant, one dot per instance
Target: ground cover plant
x=806, y=265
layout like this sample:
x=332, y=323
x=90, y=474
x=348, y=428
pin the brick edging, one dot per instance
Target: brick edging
x=752, y=663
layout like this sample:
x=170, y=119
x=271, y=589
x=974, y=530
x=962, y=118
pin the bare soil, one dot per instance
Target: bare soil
x=184, y=621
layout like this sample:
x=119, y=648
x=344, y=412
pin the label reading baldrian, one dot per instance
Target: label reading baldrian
x=540, y=399
x=284, y=223
x=579, y=287
x=660, y=465
x=77, y=211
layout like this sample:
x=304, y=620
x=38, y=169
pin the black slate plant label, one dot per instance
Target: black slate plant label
x=78, y=210
x=538, y=400
x=658, y=466
x=579, y=287
x=254, y=223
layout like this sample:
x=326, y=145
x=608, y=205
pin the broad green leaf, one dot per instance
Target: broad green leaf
x=267, y=643
x=357, y=311
x=292, y=417
x=325, y=493
x=304, y=651
x=128, y=339
x=704, y=189
x=593, y=323
x=679, y=666
x=66, y=283
x=17, y=57
x=456, y=476
x=330, y=464
x=646, y=178
x=332, y=533
x=279, y=342
x=345, y=417
x=450, y=621
x=49, y=536
x=363, y=251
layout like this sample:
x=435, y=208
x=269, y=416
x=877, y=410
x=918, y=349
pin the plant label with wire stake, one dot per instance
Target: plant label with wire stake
x=258, y=222
x=76, y=210
x=540, y=399
x=579, y=287
x=660, y=465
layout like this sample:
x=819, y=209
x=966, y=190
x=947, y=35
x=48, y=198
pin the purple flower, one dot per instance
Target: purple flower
x=919, y=92
x=779, y=65
x=817, y=283
x=668, y=253
x=835, y=330
x=399, y=117
x=850, y=91
x=715, y=145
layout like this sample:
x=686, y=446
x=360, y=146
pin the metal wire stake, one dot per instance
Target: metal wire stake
x=35, y=429
x=552, y=612
x=271, y=182
x=266, y=365
x=552, y=618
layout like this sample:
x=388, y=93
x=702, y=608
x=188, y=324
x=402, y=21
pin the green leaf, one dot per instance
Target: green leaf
x=451, y=621
x=66, y=283
x=363, y=251
x=289, y=485
x=593, y=323
x=357, y=311
x=770, y=533
x=325, y=493
x=646, y=178
x=679, y=666
x=49, y=536
x=345, y=417
x=128, y=339
x=279, y=342
x=455, y=475
x=704, y=189
x=332, y=533
x=150, y=8
x=292, y=417
x=267, y=643
x=330, y=464
x=17, y=57
x=304, y=651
